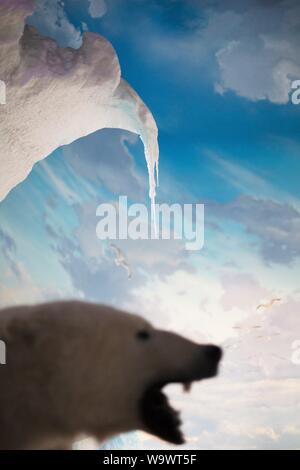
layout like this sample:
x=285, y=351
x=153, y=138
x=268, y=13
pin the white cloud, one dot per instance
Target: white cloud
x=97, y=8
x=250, y=48
x=49, y=16
x=188, y=302
x=257, y=71
x=104, y=158
x=262, y=59
x=276, y=225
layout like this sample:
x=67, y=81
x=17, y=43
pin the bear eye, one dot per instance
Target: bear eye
x=143, y=335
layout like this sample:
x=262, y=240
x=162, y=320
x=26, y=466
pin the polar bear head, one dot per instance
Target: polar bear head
x=140, y=361
x=93, y=371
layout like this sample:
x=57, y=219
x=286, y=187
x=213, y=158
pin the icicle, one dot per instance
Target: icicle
x=151, y=154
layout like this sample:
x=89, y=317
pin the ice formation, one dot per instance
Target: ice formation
x=56, y=95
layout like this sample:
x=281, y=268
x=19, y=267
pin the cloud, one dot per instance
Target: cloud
x=81, y=87
x=260, y=59
x=17, y=285
x=90, y=263
x=104, y=159
x=189, y=302
x=249, y=48
x=49, y=16
x=276, y=225
x=91, y=271
x=257, y=72
x=97, y=8
x=262, y=348
x=241, y=291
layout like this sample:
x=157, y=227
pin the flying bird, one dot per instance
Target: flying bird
x=120, y=259
x=247, y=327
x=268, y=304
x=267, y=337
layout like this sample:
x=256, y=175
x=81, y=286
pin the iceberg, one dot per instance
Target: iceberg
x=56, y=95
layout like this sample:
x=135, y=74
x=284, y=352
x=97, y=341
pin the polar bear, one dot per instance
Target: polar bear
x=78, y=369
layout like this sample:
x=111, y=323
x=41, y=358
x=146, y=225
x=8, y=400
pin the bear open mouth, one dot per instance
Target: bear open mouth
x=159, y=417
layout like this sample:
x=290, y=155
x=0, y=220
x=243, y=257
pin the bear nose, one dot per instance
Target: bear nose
x=213, y=353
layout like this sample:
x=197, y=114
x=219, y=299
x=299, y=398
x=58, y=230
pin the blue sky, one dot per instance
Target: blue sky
x=216, y=78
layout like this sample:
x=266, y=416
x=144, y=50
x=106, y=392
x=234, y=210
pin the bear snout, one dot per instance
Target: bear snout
x=207, y=362
x=213, y=353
